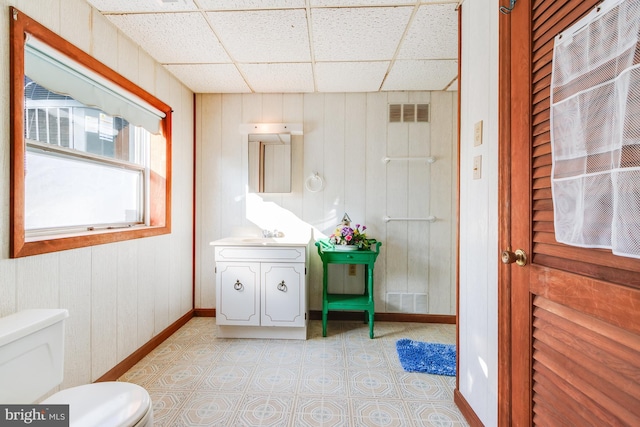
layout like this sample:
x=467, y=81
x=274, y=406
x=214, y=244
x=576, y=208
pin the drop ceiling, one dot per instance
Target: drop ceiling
x=282, y=46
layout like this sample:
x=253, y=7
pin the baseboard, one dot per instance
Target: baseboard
x=467, y=411
x=386, y=317
x=204, y=312
x=121, y=368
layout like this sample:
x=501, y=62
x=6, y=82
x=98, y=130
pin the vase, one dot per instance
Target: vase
x=346, y=247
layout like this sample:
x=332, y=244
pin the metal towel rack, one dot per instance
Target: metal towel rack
x=430, y=218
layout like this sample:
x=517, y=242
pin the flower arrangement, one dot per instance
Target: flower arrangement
x=347, y=235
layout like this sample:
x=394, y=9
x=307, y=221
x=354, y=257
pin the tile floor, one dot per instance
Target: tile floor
x=345, y=379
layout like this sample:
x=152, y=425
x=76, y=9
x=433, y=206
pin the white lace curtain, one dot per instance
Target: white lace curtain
x=595, y=130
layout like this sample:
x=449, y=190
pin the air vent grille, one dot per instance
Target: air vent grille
x=408, y=113
x=422, y=113
x=395, y=113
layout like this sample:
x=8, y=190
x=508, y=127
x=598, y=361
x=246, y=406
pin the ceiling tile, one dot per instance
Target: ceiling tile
x=277, y=78
x=142, y=6
x=250, y=4
x=263, y=36
x=421, y=75
x=173, y=38
x=350, y=76
x=353, y=3
x=433, y=34
x=239, y=46
x=358, y=34
x=210, y=78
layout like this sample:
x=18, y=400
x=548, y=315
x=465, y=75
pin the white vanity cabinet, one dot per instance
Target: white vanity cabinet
x=261, y=290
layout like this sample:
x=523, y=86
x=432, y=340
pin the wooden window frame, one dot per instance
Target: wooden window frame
x=160, y=181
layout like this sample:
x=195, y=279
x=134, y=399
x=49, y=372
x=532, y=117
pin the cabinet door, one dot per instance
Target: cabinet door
x=283, y=294
x=238, y=293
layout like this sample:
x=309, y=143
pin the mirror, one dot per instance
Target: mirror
x=270, y=163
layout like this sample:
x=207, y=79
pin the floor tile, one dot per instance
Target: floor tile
x=345, y=379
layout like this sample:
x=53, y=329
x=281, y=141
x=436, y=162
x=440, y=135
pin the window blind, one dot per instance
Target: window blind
x=61, y=74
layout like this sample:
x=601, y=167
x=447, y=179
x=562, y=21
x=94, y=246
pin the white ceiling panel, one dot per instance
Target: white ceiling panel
x=350, y=76
x=358, y=34
x=250, y=4
x=421, y=75
x=433, y=34
x=173, y=38
x=210, y=78
x=359, y=3
x=276, y=78
x=270, y=46
x=263, y=36
x=128, y=6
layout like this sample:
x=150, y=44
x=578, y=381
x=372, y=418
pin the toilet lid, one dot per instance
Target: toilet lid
x=104, y=404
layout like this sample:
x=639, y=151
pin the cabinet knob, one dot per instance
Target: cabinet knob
x=282, y=287
x=238, y=286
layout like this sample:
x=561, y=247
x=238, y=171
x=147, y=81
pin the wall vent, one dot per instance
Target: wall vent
x=422, y=113
x=403, y=302
x=395, y=113
x=408, y=113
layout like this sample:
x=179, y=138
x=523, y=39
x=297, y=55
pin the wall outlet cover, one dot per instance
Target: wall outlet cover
x=477, y=167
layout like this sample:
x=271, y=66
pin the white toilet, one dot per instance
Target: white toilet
x=32, y=362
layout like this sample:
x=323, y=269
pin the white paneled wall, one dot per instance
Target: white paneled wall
x=119, y=295
x=478, y=315
x=346, y=136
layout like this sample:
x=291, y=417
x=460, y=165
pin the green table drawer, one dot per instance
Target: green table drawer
x=349, y=257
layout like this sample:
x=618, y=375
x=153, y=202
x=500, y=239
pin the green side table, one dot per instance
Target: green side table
x=330, y=255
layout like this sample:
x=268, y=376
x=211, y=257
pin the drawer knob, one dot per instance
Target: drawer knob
x=282, y=287
x=238, y=286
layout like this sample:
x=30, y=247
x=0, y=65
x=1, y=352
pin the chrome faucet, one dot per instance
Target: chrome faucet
x=274, y=233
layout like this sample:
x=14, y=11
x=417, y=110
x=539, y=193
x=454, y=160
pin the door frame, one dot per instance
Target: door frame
x=514, y=215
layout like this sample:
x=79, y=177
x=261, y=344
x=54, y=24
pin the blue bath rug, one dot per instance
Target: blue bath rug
x=431, y=358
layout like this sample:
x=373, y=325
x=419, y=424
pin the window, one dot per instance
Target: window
x=90, y=150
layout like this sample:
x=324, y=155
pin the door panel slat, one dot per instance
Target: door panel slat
x=567, y=380
x=594, y=298
x=553, y=397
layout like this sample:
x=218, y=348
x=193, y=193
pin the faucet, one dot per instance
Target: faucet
x=274, y=233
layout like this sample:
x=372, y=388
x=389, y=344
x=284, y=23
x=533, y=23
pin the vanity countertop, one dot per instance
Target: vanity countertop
x=260, y=241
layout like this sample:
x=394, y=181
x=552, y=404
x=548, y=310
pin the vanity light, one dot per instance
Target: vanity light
x=266, y=128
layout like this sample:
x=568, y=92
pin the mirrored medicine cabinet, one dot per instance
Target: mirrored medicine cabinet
x=270, y=156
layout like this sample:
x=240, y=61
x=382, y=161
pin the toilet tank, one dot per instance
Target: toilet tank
x=31, y=354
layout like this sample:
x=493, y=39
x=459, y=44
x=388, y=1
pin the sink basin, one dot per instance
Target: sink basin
x=260, y=240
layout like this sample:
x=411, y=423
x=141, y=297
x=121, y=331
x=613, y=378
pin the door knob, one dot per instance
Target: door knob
x=519, y=257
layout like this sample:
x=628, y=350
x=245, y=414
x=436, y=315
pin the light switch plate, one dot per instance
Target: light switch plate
x=477, y=134
x=477, y=167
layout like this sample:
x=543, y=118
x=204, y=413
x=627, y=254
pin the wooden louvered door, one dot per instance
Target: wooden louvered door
x=570, y=318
